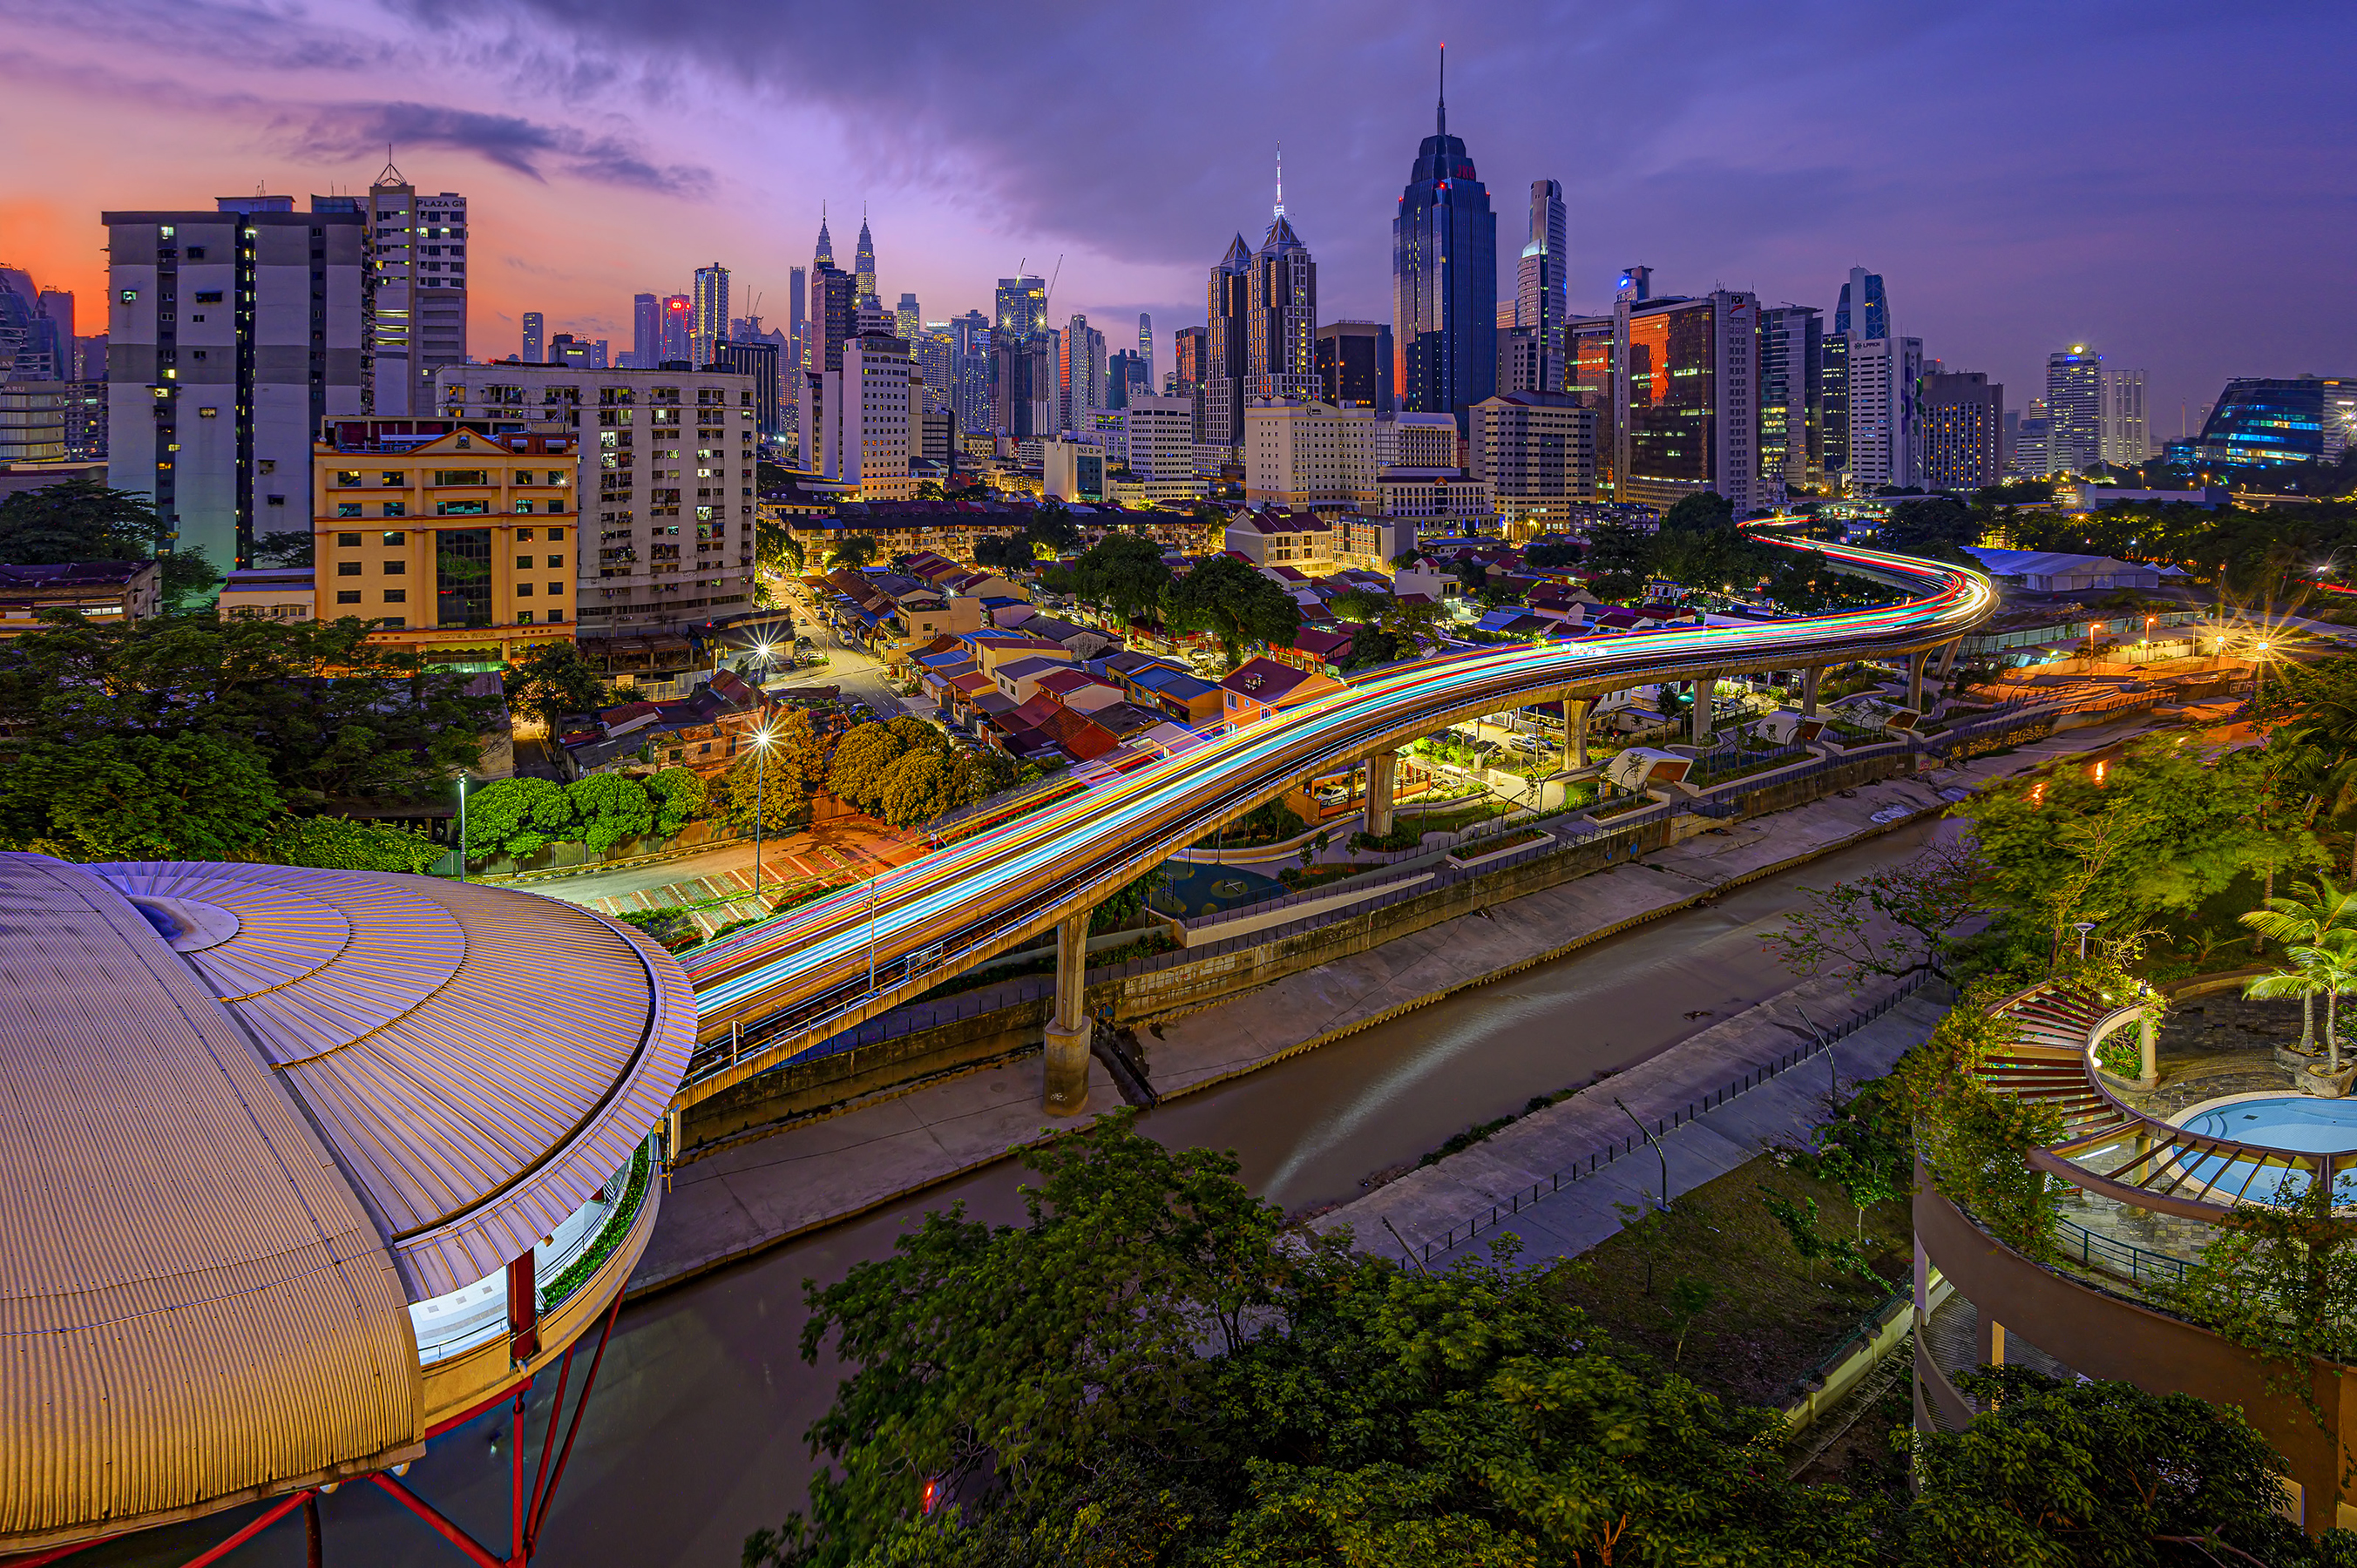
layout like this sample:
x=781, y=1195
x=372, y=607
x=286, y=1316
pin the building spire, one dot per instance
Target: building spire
x=1280, y=179
x=1442, y=119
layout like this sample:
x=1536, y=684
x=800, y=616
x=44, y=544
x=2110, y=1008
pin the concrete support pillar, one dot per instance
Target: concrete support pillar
x=1382, y=772
x=1948, y=657
x=1988, y=1339
x=1574, y=734
x=1809, y=678
x=2147, y=1056
x=1915, y=663
x=1704, y=688
x=1065, y=1083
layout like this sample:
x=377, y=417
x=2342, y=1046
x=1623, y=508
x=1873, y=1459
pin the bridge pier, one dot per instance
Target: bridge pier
x=1383, y=775
x=1064, y=1082
x=1948, y=657
x=1915, y=666
x=1706, y=688
x=1809, y=678
x=1575, y=733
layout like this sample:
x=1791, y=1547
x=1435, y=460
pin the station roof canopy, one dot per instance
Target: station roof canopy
x=248, y=1115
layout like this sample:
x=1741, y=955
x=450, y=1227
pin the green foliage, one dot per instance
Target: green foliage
x=77, y=519
x=1800, y=1226
x=1937, y=528
x=1975, y=1140
x=1894, y=922
x=1806, y=584
x=339, y=841
x=1699, y=514
x=2090, y=1475
x=777, y=550
x=1125, y=904
x=1053, y=532
x=610, y=809
x=1005, y=552
x=1152, y=1370
x=1689, y=1298
x=1547, y=554
x=852, y=552
x=864, y=754
x=518, y=818
x=2161, y=828
x=773, y=783
x=185, y=795
x=285, y=548
x=1621, y=557
x=184, y=575
x=1123, y=575
x=669, y=925
x=2279, y=1278
x=1227, y=598
x=553, y=680
x=332, y=718
x=914, y=788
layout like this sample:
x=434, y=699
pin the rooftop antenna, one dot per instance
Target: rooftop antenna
x=1280, y=179
x=1443, y=118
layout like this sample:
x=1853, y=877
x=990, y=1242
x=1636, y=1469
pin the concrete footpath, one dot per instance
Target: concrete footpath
x=1433, y=1210
x=733, y=1203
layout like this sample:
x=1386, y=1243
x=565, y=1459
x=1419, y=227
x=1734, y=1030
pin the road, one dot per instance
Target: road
x=811, y=972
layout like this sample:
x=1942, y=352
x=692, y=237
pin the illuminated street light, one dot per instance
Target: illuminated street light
x=760, y=801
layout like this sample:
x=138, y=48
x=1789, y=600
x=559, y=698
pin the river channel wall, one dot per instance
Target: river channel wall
x=804, y=1091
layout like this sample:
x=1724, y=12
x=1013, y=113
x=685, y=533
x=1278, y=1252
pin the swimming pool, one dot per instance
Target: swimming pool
x=2301, y=1123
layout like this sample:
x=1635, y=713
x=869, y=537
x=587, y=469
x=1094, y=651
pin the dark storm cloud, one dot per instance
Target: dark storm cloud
x=510, y=141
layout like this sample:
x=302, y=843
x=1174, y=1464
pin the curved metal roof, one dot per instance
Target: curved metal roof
x=248, y=1114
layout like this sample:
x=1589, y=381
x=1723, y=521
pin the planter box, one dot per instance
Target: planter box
x=1487, y=850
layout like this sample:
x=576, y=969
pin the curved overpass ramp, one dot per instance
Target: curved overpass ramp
x=774, y=989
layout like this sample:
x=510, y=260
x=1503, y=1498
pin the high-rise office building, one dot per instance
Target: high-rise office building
x=907, y=317
x=824, y=254
x=1354, y=364
x=1538, y=282
x=710, y=327
x=759, y=361
x=1023, y=385
x=833, y=316
x=1079, y=373
x=1536, y=451
x=2260, y=423
x=863, y=268
x=416, y=291
x=1145, y=345
x=1281, y=306
x=2126, y=441
x=646, y=331
x=970, y=339
x=2074, y=408
x=1964, y=431
x=678, y=346
x=858, y=424
x=1791, y=399
x=1445, y=281
x=230, y=335
x=31, y=347
x=1522, y=359
x=1020, y=307
x=1228, y=305
x=798, y=316
x=1885, y=421
x=1188, y=347
x=582, y=353
x=1685, y=390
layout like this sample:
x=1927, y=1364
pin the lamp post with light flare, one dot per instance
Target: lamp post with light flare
x=760, y=800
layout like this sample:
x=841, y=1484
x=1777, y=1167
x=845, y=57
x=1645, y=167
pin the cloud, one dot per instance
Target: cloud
x=510, y=141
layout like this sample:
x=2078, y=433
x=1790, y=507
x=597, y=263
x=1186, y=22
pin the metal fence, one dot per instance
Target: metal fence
x=2140, y=1266
x=1511, y=1204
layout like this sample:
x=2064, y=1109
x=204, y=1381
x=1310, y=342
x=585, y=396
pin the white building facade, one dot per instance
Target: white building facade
x=1308, y=455
x=417, y=267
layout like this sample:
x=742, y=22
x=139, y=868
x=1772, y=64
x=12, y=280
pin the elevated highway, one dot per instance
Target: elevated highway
x=775, y=990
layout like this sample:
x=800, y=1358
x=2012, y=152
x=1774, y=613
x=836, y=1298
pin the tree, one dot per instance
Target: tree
x=677, y=794
x=1123, y=575
x=339, y=841
x=77, y=519
x=1233, y=603
x=914, y=788
x=862, y=756
x=1053, y=532
x=137, y=797
x=1372, y=645
x=851, y=553
x=612, y=808
x=289, y=548
x=1895, y=922
x=336, y=718
x=1806, y=584
x=975, y=776
x=1622, y=558
x=553, y=680
x=2330, y=965
x=1938, y=527
x=519, y=818
x=183, y=575
x=777, y=550
x=2093, y=1474
x=1546, y=554
x=1702, y=513
x=2318, y=908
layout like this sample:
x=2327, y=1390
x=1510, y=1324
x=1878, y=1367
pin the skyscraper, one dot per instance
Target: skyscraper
x=1791, y=399
x=1445, y=279
x=971, y=342
x=1145, y=346
x=230, y=335
x=908, y=318
x=1870, y=414
x=2127, y=443
x=1684, y=415
x=1964, y=423
x=1354, y=364
x=797, y=316
x=863, y=268
x=418, y=291
x=1020, y=308
x=823, y=256
x=711, y=327
x=1538, y=282
x=1079, y=373
x=678, y=329
x=535, y=338
x=833, y=312
x=1281, y=315
x=1227, y=304
x=2075, y=409
x=646, y=331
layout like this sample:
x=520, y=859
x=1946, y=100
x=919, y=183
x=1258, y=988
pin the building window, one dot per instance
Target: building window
x=395, y=622
x=396, y=595
x=396, y=508
x=524, y=506
x=396, y=539
x=555, y=616
x=348, y=509
x=347, y=540
x=555, y=590
x=348, y=595
x=523, y=618
x=348, y=568
x=207, y=412
x=556, y=561
x=523, y=534
x=396, y=568
x=524, y=590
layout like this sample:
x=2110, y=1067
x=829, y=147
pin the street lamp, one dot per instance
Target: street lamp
x=760, y=800
x=462, y=824
x=2082, y=928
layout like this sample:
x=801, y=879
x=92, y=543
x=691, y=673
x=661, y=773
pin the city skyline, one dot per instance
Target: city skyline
x=1731, y=175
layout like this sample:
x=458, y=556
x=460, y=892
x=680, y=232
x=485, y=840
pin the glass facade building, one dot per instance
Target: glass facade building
x=2264, y=423
x=1445, y=282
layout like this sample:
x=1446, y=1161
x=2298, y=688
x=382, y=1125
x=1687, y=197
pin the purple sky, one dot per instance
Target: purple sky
x=2167, y=181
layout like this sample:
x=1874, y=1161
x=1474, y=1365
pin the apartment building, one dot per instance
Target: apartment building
x=1308, y=455
x=1537, y=452
x=460, y=540
x=673, y=456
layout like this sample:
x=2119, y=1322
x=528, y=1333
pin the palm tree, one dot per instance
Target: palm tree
x=2328, y=965
x=2316, y=908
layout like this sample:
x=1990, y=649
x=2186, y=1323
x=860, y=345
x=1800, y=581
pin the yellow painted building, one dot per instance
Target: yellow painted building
x=463, y=544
